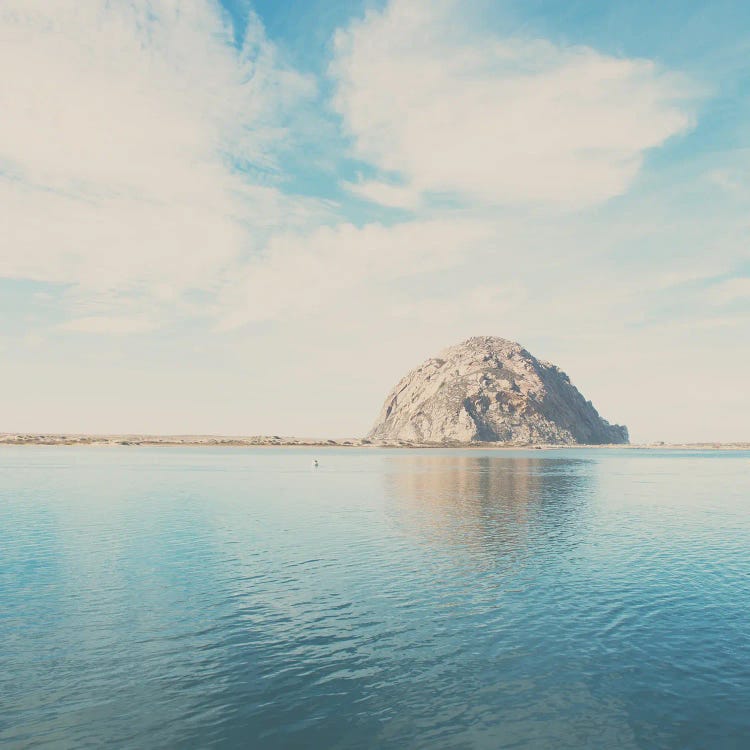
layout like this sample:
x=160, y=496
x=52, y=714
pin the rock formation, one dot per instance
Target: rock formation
x=490, y=389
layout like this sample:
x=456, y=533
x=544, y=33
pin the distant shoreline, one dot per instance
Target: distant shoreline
x=270, y=441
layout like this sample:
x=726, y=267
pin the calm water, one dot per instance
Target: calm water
x=154, y=598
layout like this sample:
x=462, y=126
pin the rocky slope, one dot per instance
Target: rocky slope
x=490, y=389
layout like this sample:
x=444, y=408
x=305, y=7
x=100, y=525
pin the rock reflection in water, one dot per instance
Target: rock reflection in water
x=491, y=505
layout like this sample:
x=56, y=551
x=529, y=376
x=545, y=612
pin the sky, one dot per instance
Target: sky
x=253, y=217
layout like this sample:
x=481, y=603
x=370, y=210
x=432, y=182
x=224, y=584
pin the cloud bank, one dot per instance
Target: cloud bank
x=456, y=110
x=137, y=143
x=139, y=151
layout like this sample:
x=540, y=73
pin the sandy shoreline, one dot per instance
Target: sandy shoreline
x=260, y=441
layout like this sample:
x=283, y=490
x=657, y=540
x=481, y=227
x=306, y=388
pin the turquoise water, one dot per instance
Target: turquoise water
x=158, y=598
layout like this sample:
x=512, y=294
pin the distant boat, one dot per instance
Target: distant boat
x=315, y=462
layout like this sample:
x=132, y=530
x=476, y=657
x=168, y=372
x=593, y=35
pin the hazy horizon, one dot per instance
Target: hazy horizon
x=252, y=218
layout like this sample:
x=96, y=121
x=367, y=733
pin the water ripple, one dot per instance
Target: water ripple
x=397, y=599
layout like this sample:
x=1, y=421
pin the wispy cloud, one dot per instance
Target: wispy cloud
x=109, y=325
x=137, y=143
x=302, y=274
x=385, y=193
x=499, y=120
x=729, y=291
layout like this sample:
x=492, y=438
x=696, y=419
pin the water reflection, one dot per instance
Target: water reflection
x=490, y=505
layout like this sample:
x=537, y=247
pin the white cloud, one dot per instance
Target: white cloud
x=732, y=180
x=395, y=196
x=109, y=325
x=489, y=303
x=729, y=291
x=496, y=120
x=301, y=274
x=121, y=129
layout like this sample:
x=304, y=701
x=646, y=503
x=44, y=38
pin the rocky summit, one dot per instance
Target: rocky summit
x=488, y=389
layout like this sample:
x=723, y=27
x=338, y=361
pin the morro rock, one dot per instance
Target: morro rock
x=488, y=389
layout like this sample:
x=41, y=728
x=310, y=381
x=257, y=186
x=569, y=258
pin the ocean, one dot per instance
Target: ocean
x=232, y=597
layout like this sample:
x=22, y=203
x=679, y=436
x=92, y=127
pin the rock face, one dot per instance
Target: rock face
x=490, y=389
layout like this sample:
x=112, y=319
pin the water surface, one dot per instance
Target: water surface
x=198, y=597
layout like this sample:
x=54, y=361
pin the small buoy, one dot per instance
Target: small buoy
x=315, y=462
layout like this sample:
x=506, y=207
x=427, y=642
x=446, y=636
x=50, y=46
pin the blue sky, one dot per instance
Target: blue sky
x=254, y=217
